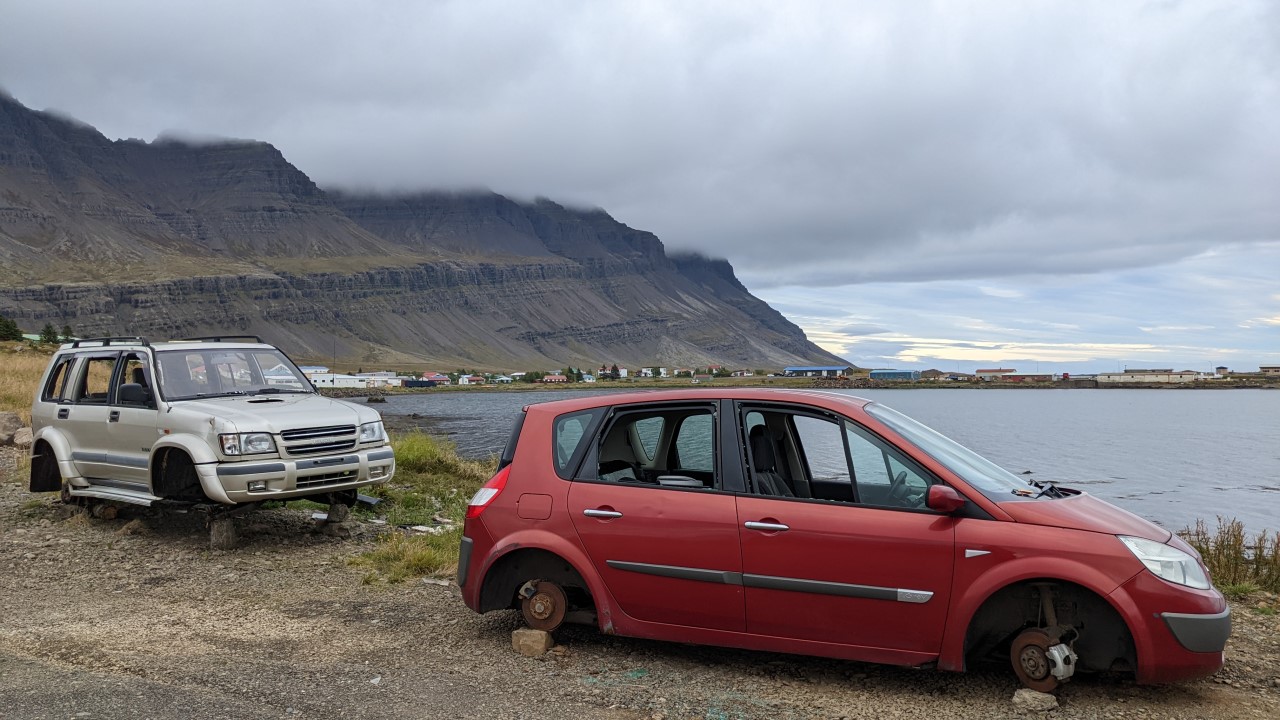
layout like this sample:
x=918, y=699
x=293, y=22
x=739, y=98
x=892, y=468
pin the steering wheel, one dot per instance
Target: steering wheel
x=897, y=488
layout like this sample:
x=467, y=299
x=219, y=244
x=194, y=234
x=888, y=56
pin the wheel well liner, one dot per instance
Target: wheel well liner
x=515, y=568
x=1105, y=642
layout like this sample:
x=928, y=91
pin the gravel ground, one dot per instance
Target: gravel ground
x=136, y=617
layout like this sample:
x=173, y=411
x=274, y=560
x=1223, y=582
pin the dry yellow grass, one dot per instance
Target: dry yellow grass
x=20, y=372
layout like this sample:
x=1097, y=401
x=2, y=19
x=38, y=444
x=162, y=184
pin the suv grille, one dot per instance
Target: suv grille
x=319, y=440
x=327, y=479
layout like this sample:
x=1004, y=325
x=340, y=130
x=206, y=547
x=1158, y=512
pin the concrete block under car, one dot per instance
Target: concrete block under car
x=530, y=642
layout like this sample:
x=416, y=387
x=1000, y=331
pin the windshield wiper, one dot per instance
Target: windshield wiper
x=222, y=394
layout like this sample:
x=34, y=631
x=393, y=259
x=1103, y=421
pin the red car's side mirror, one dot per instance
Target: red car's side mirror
x=944, y=499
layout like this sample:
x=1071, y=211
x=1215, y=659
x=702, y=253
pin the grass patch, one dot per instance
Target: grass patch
x=1236, y=560
x=20, y=369
x=399, y=557
x=1239, y=591
x=431, y=481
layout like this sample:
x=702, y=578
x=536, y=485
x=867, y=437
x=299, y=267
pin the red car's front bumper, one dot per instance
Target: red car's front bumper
x=1179, y=632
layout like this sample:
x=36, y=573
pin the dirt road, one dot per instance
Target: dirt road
x=135, y=617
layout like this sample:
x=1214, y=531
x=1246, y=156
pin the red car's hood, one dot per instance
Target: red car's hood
x=1084, y=512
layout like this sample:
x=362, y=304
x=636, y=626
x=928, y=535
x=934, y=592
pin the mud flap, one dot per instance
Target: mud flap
x=45, y=476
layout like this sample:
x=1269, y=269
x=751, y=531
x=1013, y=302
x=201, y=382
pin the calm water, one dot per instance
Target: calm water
x=1169, y=455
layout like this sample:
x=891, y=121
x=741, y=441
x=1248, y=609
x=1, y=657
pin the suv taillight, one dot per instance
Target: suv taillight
x=487, y=494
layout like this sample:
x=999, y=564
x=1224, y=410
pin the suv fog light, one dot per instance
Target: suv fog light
x=257, y=485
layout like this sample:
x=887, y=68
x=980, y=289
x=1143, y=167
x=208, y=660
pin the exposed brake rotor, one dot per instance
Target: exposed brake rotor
x=1030, y=656
x=544, y=608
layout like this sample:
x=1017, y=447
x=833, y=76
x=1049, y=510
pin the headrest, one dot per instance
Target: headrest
x=763, y=458
x=139, y=377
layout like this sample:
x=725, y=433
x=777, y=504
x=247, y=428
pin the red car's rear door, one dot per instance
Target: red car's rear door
x=649, y=509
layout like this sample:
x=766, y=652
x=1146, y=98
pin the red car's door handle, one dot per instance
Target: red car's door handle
x=600, y=513
x=766, y=526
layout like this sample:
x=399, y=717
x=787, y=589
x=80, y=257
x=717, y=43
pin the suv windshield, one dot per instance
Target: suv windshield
x=207, y=372
x=985, y=476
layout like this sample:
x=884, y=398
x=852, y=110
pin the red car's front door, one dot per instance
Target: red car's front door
x=837, y=545
x=873, y=577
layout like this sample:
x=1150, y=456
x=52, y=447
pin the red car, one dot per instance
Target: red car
x=824, y=524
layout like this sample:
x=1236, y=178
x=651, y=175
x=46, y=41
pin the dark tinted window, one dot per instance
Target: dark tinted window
x=567, y=439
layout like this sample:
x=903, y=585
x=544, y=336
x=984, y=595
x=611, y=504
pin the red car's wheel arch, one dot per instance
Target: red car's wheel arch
x=966, y=606
x=574, y=557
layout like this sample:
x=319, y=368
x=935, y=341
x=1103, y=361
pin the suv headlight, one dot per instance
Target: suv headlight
x=1167, y=562
x=372, y=432
x=247, y=443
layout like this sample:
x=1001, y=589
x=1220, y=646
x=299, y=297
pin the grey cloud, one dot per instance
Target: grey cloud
x=860, y=330
x=812, y=144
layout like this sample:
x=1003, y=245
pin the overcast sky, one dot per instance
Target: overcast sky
x=1074, y=186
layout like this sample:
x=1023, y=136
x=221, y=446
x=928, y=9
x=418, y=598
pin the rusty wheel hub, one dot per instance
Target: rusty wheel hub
x=1030, y=657
x=545, y=608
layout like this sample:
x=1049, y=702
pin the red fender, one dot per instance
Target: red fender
x=536, y=539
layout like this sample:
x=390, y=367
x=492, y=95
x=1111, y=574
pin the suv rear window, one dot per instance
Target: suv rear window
x=55, y=388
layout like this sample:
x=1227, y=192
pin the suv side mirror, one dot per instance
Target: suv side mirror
x=944, y=499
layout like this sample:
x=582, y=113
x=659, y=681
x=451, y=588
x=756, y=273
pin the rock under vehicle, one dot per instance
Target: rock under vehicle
x=222, y=423
x=823, y=524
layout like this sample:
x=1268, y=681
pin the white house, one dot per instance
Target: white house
x=334, y=380
x=1151, y=376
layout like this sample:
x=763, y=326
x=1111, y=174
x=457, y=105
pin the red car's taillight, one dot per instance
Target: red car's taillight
x=487, y=494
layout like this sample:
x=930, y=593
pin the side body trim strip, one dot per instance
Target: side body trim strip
x=770, y=582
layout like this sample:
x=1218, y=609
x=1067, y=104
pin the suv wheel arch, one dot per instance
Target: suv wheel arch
x=174, y=476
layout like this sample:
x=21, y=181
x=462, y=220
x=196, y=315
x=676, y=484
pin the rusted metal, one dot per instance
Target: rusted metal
x=543, y=605
x=1029, y=654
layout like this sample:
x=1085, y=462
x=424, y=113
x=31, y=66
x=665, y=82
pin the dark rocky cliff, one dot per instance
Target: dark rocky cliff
x=173, y=239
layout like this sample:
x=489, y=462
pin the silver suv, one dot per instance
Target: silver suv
x=229, y=420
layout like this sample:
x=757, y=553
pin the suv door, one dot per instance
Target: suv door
x=84, y=416
x=649, y=507
x=835, y=562
x=132, y=421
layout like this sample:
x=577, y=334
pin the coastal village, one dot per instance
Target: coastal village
x=826, y=376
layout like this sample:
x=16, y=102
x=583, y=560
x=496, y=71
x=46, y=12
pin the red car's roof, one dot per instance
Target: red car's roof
x=809, y=397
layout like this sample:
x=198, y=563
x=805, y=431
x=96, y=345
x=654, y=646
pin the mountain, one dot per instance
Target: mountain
x=173, y=239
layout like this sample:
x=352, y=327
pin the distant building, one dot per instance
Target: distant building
x=334, y=380
x=993, y=373
x=1150, y=376
x=932, y=375
x=818, y=371
x=900, y=375
x=1269, y=369
x=556, y=378
x=503, y=379
x=588, y=378
x=742, y=373
x=437, y=378
x=310, y=370
x=1027, y=377
x=1222, y=370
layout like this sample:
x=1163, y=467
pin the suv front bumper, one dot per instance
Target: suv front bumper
x=282, y=479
